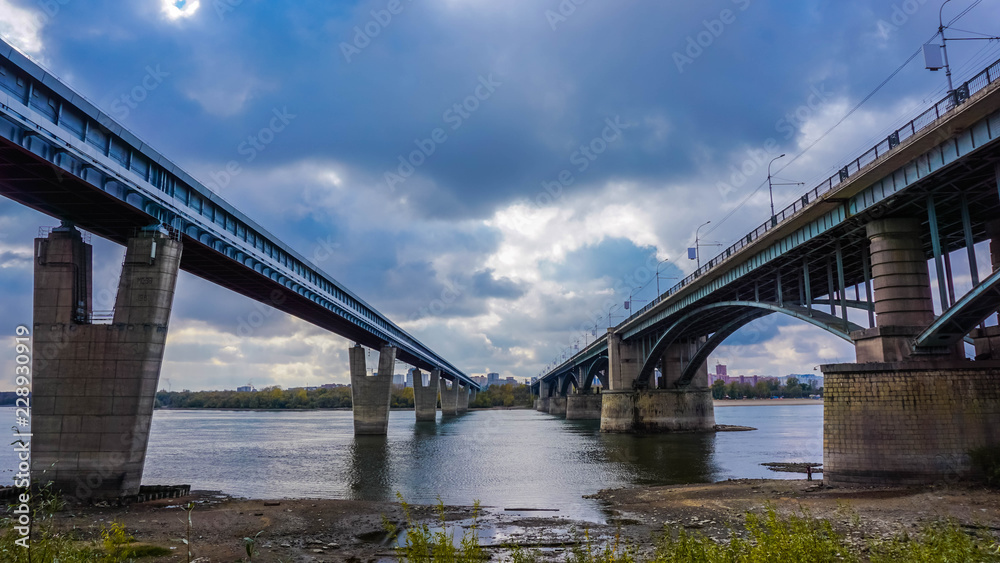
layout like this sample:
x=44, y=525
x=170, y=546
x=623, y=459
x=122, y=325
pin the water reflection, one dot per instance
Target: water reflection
x=663, y=459
x=369, y=473
x=517, y=458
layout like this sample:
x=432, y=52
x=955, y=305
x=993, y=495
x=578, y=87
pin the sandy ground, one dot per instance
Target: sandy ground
x=766, y=402
x=353, y=531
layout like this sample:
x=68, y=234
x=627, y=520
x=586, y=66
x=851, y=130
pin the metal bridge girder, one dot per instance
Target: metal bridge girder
x=826, y=321
x=959, y=320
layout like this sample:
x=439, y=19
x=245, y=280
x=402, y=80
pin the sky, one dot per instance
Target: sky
x=492, y=176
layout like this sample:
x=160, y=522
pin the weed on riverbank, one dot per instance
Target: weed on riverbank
x=767, y=538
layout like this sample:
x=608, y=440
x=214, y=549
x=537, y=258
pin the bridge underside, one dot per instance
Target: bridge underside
x=64, y=195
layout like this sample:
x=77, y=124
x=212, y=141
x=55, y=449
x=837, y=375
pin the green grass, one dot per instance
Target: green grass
x=767, y=538
x=48, y=546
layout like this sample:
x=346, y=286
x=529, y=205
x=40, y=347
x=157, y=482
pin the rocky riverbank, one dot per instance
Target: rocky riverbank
x=340, y=530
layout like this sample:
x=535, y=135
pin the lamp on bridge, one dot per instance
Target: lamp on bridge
x=658, y=276
x=628, y=304
x=697, y=244
x=936, y=57
x=770, y=188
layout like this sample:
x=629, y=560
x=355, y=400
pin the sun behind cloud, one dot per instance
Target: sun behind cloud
x=177, y=9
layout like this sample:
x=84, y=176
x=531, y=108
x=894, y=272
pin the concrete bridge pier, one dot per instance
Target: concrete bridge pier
x=449, y=397
x=895, y=417
x=557, y=405
x=94, y=384
x=463, y=398
x=370, y=395
x=631, y=408
x=425, y=397
x=583, y=406
x=542, y=404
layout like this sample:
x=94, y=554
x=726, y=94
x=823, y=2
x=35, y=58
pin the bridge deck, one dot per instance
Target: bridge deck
x=62, y=156
x=947, y=152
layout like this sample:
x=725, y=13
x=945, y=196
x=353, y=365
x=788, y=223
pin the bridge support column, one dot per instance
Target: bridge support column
x=676, y=358
x=557, y=406
x=370, y=395
x=449, y=398
x=463, y=398
x=903, y=304
x=585, y=406
x=908, y=422
x=94, y=385
x=425, y=397
x=672, y=409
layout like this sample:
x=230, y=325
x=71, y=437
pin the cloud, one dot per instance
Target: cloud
x=22, y=27
x=174, y=10
x=475, y=253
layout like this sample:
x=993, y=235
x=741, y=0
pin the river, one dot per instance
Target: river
x=503, y=458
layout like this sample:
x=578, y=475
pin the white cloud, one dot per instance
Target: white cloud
x=179, y=9
x=22, y=27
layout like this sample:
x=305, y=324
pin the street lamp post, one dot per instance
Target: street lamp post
x=944, y=46
x=610, y=309
x=697, y=245
x=658, y=276
x=770, y=190
x=630, y=294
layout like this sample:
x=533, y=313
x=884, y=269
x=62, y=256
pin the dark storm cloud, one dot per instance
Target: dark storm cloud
x=555, y=87
x=694, y=82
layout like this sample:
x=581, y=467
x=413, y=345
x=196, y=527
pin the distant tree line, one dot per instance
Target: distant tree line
x=764, y=389
x=503, y=396
x=337, y=397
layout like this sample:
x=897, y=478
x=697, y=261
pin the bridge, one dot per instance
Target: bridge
x=854, y=257
x=95, y=373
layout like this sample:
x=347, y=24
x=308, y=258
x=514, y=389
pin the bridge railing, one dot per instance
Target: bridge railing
x=922, y=121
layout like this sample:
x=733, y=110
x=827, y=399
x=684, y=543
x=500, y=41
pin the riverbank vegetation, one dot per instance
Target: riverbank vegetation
x=503, y=396
x=766, y=538
x=323, y=398
x=763, y=389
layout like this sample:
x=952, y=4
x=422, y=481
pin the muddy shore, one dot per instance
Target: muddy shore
x=302, y=530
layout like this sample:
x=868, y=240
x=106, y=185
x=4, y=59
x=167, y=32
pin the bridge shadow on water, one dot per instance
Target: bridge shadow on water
x=653, y=459
x=369, y=472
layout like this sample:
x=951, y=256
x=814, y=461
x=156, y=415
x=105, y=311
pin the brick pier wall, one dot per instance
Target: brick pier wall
x=908, y=422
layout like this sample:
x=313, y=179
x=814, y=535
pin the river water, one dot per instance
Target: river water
x=505, y=459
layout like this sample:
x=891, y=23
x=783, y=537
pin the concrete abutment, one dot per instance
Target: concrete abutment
x=370, y=395
x=425, y=397
x=908, y=422
x=94, y=384
x=586, y=406
x=657, y=411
